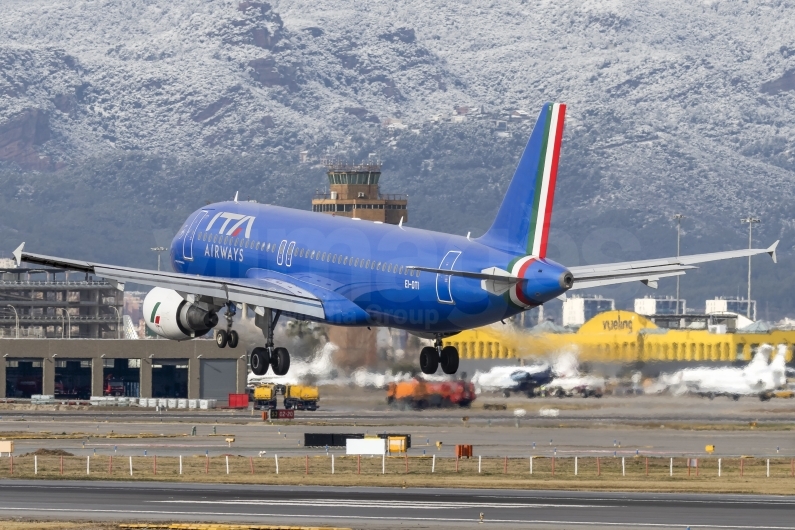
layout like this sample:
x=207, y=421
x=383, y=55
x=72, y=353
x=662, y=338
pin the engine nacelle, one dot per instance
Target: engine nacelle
x=172, y=317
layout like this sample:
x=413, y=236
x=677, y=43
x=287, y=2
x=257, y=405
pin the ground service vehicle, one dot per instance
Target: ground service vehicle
x=265, y=396
x=301, y=397
x=114, y=387
x=417, y=394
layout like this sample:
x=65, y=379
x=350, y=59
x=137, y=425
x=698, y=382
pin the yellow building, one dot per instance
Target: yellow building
x=618, y=336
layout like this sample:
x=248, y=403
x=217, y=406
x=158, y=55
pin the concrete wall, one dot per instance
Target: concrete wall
x=48, y=350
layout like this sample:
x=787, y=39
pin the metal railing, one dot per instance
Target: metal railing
x=381, y=197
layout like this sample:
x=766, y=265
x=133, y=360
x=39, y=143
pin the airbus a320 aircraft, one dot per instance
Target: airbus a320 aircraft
x=351, y=272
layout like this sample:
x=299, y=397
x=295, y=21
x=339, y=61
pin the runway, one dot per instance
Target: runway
x=388, y=507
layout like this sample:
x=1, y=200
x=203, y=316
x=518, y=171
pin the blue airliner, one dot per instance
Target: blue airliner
x=351, y=272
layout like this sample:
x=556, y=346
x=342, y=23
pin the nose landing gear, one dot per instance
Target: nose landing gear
x=433, y=356
x=262, y=358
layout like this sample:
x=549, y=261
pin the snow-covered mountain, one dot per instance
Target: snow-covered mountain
x=700, y=93
x=673, y=106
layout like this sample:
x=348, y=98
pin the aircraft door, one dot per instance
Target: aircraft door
x=443, y=293
x=288, y=260
x=187, y=242
x=280, y=255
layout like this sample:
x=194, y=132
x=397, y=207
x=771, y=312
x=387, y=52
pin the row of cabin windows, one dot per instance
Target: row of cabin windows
x=306, y=253
x=354, y=262
x=351, y=207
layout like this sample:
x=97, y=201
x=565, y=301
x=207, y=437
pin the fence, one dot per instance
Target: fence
x=559, y=468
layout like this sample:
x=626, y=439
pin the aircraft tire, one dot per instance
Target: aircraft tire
x=259, y=361
x=221, y=338
x=280, y=361
x=449, y=360
x=429, y=360
x=232, y=339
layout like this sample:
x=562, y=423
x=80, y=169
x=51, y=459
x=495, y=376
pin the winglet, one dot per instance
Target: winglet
x=236, y=195
x=771, y=250
x=18, y=253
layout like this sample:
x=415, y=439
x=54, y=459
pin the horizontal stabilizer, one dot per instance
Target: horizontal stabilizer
x=651, y=270
x=486, y=274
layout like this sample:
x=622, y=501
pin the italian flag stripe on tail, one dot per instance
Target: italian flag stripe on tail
x=545, y=181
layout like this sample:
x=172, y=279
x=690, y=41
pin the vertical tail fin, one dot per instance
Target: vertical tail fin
x=522, y=222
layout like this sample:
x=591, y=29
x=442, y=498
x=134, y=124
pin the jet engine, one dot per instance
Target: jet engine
x=172, y=317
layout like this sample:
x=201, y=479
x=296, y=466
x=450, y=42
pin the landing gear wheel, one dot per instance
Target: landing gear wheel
x=260, y=359
x=429, y=360
x=232, y=339
x=221, y=338
x=280, y=361
x=449, y=360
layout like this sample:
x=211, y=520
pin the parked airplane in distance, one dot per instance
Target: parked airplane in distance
x=350, y=272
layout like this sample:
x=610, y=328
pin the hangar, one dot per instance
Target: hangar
x=81, y=368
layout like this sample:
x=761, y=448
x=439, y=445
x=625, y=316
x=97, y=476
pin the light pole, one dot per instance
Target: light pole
x=750, y=220
x=68, y=323
x=678, y=218
x=16, y=315
x=158, y=250
x=118, y=321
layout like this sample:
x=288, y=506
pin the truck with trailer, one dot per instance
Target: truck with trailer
x=301, y=397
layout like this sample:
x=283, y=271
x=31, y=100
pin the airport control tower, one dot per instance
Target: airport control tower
x=353, y=192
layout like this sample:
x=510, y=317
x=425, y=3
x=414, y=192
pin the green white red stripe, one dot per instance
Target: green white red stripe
x=545, y=181
x=519, y=269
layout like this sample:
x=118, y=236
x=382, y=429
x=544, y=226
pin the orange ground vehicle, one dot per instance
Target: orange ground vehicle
x=418, y=394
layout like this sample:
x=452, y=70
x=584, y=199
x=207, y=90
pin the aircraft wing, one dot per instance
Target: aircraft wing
x=650, y=270
x=271, y=293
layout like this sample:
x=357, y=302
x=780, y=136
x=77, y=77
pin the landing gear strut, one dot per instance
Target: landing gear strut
x=228, y=337
x=433, y=356
x=261, y=358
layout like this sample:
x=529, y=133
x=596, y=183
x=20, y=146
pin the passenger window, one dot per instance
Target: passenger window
x=401, y=270
x=313, y=255
x=345, y=261
x=323, y=257
x=334, y=258
x=356, y=262
x=367, y=265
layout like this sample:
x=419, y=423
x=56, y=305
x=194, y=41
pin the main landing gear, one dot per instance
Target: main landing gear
x=433, y=356
x=261, y=358
x=228, y=337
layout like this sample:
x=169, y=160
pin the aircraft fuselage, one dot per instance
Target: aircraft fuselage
x=362, y=261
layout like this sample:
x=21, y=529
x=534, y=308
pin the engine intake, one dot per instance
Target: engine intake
x=170, y=316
